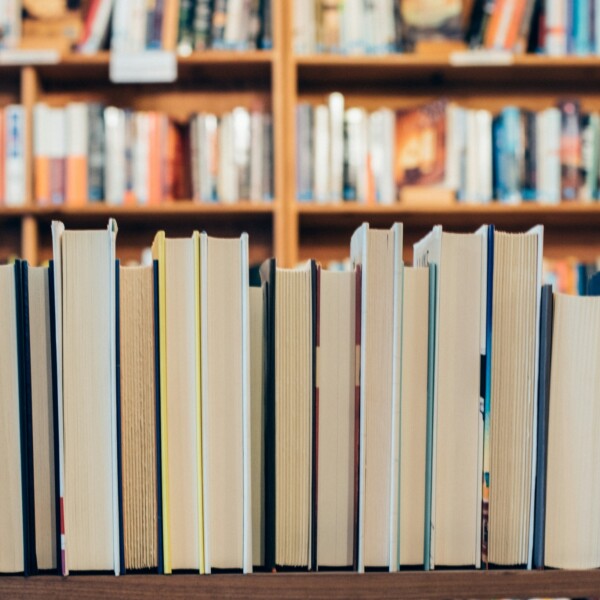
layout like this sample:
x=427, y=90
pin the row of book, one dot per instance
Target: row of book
x=131, y=26
x=90, y=153
x=554, y=27
x=173, y=417
x=349, y=154
x=569, y=275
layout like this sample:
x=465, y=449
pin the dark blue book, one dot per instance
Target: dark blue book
x=545, y=360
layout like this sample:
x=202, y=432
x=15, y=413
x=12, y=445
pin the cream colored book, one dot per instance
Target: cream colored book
x=11, y=504
x=42, y=420
x=379, y=254
x=413, y=415
x=85, y=304
x=181, y=414
x=226, y=402
x=457, y=419
x=573, y=482
x=336, y=385
x=138, y=417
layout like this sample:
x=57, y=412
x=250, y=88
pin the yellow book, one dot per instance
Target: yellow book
x=158, y=253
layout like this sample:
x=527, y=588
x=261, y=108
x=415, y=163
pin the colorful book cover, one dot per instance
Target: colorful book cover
x=570, y=149
x=421, y=145
x=431, y=19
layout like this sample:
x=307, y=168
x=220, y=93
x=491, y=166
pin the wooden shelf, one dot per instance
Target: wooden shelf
x=351, y=70
x=436, y=584
x=211, y=66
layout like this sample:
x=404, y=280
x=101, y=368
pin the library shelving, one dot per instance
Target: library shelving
x=410, y=584
x=292, y=231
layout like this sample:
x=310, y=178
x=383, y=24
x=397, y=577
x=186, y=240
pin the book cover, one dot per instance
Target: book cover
x=545, y=360
x=421, y=145
x=570, y=149
x=431, y=20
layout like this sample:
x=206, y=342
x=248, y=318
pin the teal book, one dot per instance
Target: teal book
x=430, y=412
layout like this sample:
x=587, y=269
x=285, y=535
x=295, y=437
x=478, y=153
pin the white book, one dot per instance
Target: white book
x=305, y=36
x=336, y=147
x=225, y=331
x=76, y=122
x=257, y=143
x=321, y=171
x=12, y=23
x=228, y=174
x=236, y=28
x=556, y=25
x=457, y=436
x=12, y=558
x=381, y=154
x=549, y=167
x=85, y=314
x=356, y=152
x=122, y=25
x=241, y=151
x=353, y=27
x=379, y=252
x=472, y=158
x=454, y=133
x=484, y=191
x=15, y=131
x=114, y=174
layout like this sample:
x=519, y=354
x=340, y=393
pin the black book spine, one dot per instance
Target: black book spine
x=315, y=295
x=267, y=274
x=267, y=26
x=546, y=319
x=159, y=507
x=25, y=419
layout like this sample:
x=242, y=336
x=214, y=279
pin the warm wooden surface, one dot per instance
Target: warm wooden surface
x=491, y=584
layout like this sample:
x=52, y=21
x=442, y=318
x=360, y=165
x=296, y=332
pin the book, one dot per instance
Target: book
x=546, y=321
x=180, y=402
x=86, y=367
x=570, y=528
x=14, y=169
x=257, y=421
x=457, y=443
x=289, y=409
x=510, y=404
x=226, y=449
x=14, y=554
x=379, y=254
x=77, y=135
x=430, y=20
x=420, y=145
x=413, y=415
x=139, y=451
x=337, y=322
x=39, y=376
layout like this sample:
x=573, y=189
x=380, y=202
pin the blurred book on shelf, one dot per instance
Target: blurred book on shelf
x=441, y=151
x=91, y=153
x=135, y=25
x=552, y=27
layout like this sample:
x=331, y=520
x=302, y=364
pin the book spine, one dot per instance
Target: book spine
x=57, y=156
x=241, y=136
x=570, y=150
x=154, y=24
x=555, y=32
x=202, y=24
x=253, y=25
x=484, y=165
x=14, y=169
x=268, y=157
x=321, y=170
x=236, y=28
x=140, y=158
x=267, y=26
x=41, y=158
x=581, y=27
x=590, y=142
x=95, y=153
x=185, y=39
x=256, y=156
x=303, y=152
x=114, y=126
x=528, y=191
x=129, y=140
x=99, y=27
x=77, y=160
x=168, y=34
x=336, y=148
x=219, y=23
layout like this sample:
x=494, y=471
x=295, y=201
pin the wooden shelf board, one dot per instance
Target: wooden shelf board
x=437, y=584
x=200, y=67
x=353, y=71
x=560, y=215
